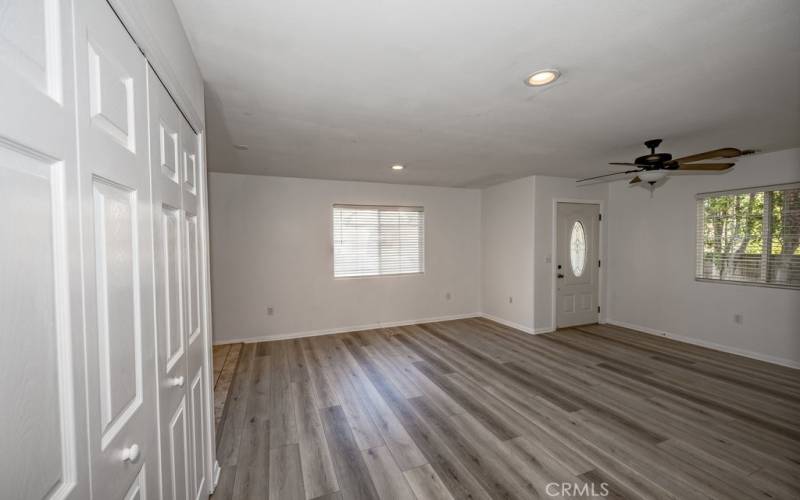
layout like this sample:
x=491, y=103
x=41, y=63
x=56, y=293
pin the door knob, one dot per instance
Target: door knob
x=176, y=381
x=559, y=275
x=131, y=453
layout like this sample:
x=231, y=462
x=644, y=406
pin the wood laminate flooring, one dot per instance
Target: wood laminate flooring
x=225, y=359
x=473, y=409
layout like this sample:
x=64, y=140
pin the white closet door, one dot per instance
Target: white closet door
x=196, y=354
x=117, y=247
x=169, y=254
x=42, y=417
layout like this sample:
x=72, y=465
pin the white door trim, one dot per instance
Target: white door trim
x=554, y=259
x=212, y=467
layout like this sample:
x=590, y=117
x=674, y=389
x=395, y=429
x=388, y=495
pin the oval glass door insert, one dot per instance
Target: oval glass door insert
x=577, y=249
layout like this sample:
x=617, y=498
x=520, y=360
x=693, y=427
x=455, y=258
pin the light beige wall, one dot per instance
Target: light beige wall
x=271, y=247
x=651, y=282
x=507, y=238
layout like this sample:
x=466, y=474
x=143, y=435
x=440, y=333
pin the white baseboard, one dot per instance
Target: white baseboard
x=710, y=345
x=508, y=323
x=344, y=329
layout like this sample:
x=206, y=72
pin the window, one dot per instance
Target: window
x=374, y=241
x=750, y=236
x=577, y=249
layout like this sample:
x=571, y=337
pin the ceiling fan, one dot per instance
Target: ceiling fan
x=653, y=167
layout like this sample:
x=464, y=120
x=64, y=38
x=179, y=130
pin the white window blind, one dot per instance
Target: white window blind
x=750, y=236
x=377, y=240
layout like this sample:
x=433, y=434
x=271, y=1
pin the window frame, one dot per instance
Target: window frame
x=766, y=235
x=423, y=242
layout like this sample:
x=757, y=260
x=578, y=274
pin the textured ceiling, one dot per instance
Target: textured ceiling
x=344, y=89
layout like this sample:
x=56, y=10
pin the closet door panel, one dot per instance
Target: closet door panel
x=41, y=364
x=169, y=297
x=170, y=262
x=193, y=299
x=192, y=277
x=198, y=438
x=177, y=466
x=117, y=233
x=119, y=329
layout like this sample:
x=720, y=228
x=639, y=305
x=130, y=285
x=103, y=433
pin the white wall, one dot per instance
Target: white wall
x=507, y=249
x=517, y=225
x=548, y=190
x=507, y=239
x=271, y=247
x=651, y=266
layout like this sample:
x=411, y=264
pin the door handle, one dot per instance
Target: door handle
x=176, y=382
x=130, y=454
x=559, y=276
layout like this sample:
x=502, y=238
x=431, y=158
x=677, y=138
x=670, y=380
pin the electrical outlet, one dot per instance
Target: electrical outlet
x=737, y=318
x=447, y=296
x=270, y=311
x=510, y=300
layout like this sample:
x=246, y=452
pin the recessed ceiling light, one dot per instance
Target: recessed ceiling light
x=241, y=147
x=397, y=167
x=542, y=77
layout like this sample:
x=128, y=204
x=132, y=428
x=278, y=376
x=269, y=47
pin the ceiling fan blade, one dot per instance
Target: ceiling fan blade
x=608, y=175
x=705, y=166
x=622, y=163
x=635, y=180
x=708, y=155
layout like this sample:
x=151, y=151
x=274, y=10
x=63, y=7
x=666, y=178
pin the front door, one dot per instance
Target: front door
x=577, y=264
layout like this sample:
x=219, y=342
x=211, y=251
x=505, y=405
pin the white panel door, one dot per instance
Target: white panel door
x=42, y=417
x=117, y=246
x=169, y=254
x=577, y=264
x=196, y=355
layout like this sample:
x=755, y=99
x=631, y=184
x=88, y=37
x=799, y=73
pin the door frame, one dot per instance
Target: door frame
x=601, y=316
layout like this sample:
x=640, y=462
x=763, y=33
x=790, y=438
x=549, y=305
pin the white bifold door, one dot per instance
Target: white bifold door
x=43, y=446
x=174, y=163
x=103, y=343
x=117, y=248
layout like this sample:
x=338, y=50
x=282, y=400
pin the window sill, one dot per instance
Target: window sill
x=747, y=283
x=368, y=276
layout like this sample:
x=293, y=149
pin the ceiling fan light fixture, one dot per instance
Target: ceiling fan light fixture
x=652, y=176
x=542, y=77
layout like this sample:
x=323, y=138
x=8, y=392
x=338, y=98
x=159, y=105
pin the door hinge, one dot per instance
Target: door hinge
x=599, y=216
x=598, y=308
x=598, y=263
